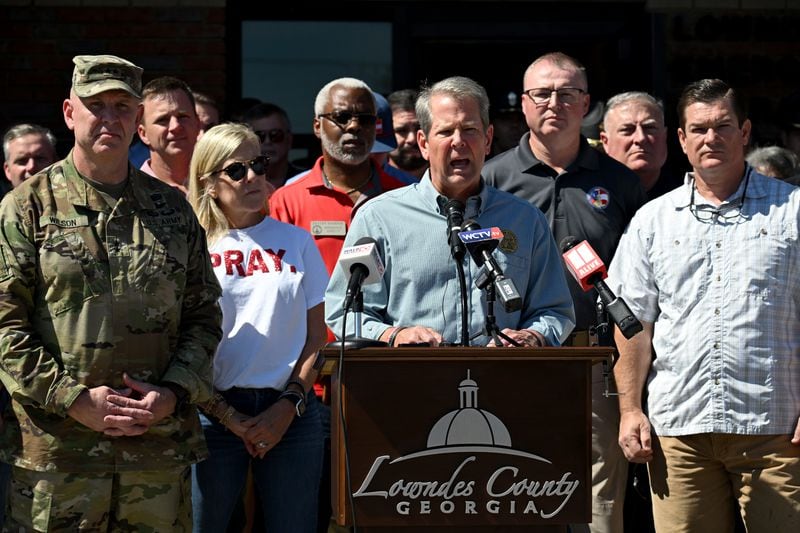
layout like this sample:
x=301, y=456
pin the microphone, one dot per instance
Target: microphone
x=589, y=271
x=363, y=265
x=480, y=244
x=454, y=211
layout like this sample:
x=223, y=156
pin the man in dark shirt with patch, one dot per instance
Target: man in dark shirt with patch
x=587, y=195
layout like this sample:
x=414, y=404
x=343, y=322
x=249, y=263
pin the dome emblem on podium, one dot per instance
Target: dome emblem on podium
x=469, y=429
x=469, y=425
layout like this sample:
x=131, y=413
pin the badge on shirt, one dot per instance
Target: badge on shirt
x=73, y=222
x=510, y=243
x=598, y=197
x=328, y=228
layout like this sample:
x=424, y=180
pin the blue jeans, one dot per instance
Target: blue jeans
x=286, y=479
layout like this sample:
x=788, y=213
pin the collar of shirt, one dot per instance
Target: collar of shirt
x=81, y=193
x=755, y=189
x=588, y=157
x=472, y=208
x=316, y=182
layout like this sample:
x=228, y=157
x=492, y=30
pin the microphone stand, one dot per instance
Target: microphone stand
x=603, y=332
x=490, y=324
x=462, y=286
x=454, y=211
x=356, y=342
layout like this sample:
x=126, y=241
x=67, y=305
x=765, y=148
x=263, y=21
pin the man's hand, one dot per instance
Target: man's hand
x=148, y=404
x=94, y=409
x=634, y=436
x=416, y=335
x=524, y=337
x=796, y=437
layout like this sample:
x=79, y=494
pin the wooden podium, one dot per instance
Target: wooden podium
x=452, y=439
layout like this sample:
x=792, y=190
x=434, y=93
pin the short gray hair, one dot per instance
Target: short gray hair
x=458, y=87
x=633, y=96
x=563, y=62
x=324, y=94
x=20, y=130
x=784, y=163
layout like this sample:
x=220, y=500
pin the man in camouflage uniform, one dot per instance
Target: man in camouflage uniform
x=108, y=323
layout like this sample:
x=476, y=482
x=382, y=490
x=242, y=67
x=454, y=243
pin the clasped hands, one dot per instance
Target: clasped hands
x=125, y=412
x=260, y=433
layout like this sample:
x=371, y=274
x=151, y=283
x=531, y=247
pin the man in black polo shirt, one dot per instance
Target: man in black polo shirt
x=585, y=194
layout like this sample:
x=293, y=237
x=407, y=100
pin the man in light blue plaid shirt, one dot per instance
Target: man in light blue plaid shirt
x=712, y=269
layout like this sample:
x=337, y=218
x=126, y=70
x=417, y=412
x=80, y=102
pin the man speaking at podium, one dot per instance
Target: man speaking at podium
x=417, y=300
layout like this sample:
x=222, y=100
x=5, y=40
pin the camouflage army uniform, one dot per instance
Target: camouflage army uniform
x=88, y=292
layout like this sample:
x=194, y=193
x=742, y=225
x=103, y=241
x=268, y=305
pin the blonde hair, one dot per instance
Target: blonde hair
x=210, y=152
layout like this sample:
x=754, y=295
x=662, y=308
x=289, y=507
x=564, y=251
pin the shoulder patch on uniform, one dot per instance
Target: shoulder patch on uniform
x=158, y=200
x=510, y=243
x=74, y=222
x=598, y=197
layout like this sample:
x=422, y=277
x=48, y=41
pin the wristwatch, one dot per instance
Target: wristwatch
x=297, y=399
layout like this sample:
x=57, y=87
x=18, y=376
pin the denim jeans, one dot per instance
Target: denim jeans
x=286, y=479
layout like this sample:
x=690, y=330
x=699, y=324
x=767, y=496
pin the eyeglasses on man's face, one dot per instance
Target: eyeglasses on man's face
x=343, y=118
x=565, y=95
x=237, y=171
x=275, y=135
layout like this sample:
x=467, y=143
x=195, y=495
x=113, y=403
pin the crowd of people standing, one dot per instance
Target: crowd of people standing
x=161, y=321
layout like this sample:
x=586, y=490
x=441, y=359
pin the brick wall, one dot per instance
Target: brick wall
x=185, y=39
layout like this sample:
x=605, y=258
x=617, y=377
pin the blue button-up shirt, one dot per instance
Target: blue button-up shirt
x=724, y=297
x=420, y=286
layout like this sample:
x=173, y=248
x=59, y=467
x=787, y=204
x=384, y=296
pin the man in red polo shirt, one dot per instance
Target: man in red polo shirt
x=324, y=200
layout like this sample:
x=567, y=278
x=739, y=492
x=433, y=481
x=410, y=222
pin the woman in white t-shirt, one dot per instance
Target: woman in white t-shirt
x=273, y=283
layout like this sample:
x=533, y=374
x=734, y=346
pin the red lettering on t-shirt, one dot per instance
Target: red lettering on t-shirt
x=234, y=258
x=276, y=257
x=256, y=262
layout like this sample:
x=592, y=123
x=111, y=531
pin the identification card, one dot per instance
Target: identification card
x=328, y=228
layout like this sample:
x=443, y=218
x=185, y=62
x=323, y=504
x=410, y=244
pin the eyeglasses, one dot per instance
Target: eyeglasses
x=275, y=135
x=343, y=118
x=566, y=95
x=704, y=213
x=237, y=171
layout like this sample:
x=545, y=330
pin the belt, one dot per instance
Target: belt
x=581, y=337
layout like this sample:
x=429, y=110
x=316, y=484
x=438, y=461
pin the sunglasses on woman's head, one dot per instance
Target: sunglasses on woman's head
x=237, y=171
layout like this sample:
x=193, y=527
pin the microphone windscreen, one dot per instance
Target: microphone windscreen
x=364, y=252
x=567, y=243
